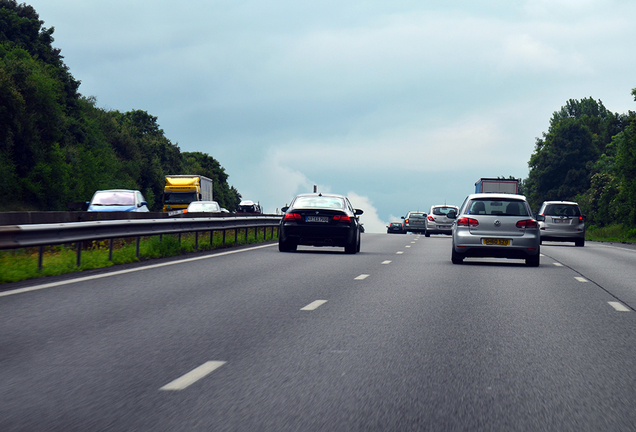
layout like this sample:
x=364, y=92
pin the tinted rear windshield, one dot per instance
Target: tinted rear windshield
x=319, y=202
x=442, y=211
x=497, y=206
x=562, y=210
x=417, y=215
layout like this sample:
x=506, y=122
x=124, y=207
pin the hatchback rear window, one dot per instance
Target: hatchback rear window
x=442, y=211
x=494, y=206
x=562, y=210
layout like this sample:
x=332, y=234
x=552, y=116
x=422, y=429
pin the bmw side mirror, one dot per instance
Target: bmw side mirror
x=359, y=212
x=143, y=203
x=540, y=218
x=284, y=209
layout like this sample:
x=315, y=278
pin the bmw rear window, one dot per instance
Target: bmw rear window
x=319, y=202
x=417, y=215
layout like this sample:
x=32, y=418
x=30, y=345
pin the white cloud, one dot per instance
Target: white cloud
x=370, y=219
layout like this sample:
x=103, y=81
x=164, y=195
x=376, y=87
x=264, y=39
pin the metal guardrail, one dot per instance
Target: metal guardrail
x=40, y=235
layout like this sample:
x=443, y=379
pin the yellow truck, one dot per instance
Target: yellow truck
x=181, y=190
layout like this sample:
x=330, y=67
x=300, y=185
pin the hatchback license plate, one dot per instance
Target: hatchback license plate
x=496, y=241
x=560, y=220
x=322, y=219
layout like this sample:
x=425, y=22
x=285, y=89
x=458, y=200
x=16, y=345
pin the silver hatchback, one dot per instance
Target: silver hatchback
x=438, y=222
x=495, y=225
x=562, y=221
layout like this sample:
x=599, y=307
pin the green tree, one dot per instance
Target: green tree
x=563, y=160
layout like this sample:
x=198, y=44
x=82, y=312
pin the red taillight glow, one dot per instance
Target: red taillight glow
x=292, y=216
x=464, y=221
x=528, y=223
x=406, y=220
x=431, y=218
x=580, y=219
x=342, y=218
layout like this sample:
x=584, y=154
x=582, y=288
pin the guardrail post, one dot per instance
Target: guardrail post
x=40, y=253
x=196, y=240
x=110, y=249
x=246, y=235
x=79, y=253
x=224, y=237
x=137, y=249
x=212, y=239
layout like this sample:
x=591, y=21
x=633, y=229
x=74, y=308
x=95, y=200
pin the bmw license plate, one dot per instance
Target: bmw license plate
x=322, y=219
x=496, y=241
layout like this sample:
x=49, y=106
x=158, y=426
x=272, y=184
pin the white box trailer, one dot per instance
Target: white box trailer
x=496, y=185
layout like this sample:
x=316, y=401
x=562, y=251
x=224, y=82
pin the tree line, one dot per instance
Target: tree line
x=588, y=155
x=57, y=147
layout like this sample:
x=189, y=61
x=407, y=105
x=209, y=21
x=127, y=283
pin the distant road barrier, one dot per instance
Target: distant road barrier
x=40, y=235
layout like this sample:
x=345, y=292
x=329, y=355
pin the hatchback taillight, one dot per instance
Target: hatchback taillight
x=528, y=223
x=342, y=218
x=464, y=221
x=292, y=216
x=580, y=219
x=431, y=218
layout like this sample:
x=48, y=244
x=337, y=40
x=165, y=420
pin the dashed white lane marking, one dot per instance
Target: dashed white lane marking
x=619, y=306
x=314, y=305
x=386, y=262
x=558, y=264
x=408, y=246
x=193, y=376
x=580, y=279
x=362, y=277
x=119, y=272
x=399, y=252
x=412, y=242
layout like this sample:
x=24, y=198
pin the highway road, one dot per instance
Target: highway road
x=395, y=338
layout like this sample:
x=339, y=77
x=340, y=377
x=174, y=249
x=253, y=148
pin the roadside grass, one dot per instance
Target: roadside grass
x=615, y=233
x=22, y=264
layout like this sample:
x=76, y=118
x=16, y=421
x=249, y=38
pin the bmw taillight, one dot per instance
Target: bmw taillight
x=292, y=216
x=464, y=221
x=406, y=220
x=528, y=223
x=342, y=218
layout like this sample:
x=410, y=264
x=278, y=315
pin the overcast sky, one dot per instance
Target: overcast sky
x=398, y=104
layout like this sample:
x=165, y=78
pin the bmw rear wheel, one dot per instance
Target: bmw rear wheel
x=286, y=246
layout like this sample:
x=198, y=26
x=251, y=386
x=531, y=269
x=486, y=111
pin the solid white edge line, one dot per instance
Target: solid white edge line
x=580, y=279
x=193, y=376
x=119, y=272
x=619, y=306
x=361, y=277
x=314, y=305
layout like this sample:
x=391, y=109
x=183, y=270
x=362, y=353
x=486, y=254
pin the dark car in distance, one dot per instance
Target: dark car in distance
x=320, y=220
x=396, y=228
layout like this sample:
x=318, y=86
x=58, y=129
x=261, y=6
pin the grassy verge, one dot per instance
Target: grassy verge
x=617, y=233
x=22, y=264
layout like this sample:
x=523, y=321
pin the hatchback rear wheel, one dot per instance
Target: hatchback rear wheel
x=456, y=257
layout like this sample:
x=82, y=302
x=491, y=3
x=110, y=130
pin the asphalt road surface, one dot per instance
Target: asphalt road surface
x=395, y=338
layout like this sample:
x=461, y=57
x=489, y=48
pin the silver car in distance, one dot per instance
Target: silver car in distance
x=495, y=225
